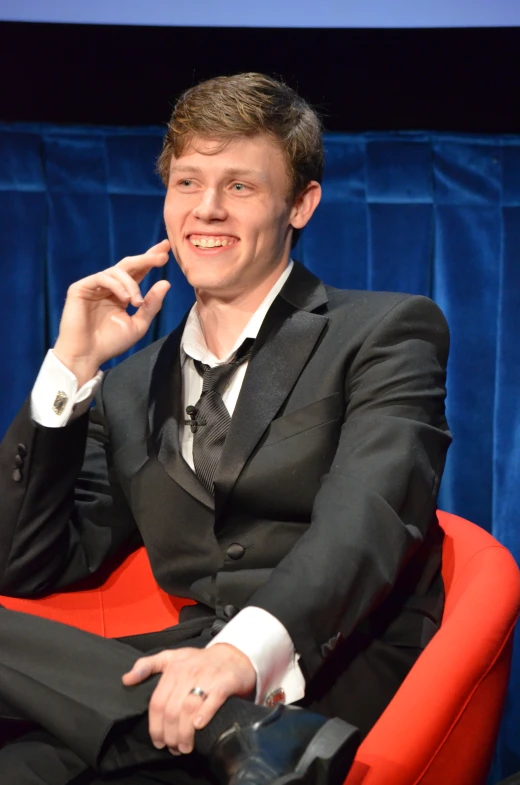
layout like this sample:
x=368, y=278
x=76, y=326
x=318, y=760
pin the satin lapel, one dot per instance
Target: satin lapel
x=165, y=411
x=282, y=349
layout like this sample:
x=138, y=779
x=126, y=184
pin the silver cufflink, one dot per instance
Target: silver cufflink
x=60, y=402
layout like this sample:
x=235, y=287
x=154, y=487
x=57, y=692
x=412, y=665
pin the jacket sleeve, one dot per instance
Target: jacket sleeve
x=375, y=504
x=63, y=513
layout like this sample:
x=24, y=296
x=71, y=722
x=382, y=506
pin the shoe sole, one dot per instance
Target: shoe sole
x=328, y=756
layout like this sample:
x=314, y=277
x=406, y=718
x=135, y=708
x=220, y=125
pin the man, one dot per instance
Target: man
x=279, y=454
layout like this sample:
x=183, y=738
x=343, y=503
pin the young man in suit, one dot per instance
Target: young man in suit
x=279, y=454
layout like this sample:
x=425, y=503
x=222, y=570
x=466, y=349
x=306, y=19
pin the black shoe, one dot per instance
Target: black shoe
x=288, y=747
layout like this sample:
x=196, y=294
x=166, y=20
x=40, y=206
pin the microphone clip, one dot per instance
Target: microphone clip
x=194, y=424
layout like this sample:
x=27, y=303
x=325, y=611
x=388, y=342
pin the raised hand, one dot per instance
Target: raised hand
x=95, y=325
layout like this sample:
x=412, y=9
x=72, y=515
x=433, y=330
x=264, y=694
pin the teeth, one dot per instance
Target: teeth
x=211, y=242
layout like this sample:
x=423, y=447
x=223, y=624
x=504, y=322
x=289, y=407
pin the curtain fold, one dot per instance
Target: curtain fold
x=426, y=213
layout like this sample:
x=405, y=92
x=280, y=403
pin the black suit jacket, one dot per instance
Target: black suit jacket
x=324, y=511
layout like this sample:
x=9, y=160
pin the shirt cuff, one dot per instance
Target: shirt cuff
x=55, y=398
x=264, y=639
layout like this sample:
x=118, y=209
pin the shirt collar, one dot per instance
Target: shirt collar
x=193, y=342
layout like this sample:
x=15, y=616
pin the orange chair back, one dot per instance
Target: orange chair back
x=126, y=602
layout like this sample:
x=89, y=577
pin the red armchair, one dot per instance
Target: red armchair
x=441, y=726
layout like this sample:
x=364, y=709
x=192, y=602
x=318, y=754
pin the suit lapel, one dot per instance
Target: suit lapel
x=165, y=412
x=286, y=340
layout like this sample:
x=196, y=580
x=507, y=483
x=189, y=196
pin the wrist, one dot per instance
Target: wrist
x=233, y=653
x=83, y=368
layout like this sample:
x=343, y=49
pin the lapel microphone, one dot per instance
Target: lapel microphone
x=192, y=412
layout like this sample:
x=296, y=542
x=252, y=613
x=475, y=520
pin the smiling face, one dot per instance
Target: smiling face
x=228, y=214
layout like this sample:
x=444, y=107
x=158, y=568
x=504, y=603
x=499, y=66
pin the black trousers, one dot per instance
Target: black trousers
x=94, y=729
x=68, y=682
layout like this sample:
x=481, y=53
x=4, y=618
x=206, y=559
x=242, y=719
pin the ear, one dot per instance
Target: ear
x=305, y=205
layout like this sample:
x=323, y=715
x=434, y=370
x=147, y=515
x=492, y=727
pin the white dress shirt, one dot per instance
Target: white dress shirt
x=254, y=631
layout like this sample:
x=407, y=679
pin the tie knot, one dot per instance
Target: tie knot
x=216, y=379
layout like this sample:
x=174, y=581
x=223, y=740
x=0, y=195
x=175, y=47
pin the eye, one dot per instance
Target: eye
x=239, y=187
x=185, y=183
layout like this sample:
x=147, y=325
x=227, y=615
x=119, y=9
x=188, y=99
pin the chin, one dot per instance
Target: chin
x=207, y=283
x=204, y=277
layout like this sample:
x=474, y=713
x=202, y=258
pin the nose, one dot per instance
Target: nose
x=210, y=206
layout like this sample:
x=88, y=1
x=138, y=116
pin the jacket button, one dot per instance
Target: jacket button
x=235, y=550
x=17, y=475
x=22, y=450
x=18, y=462
x=230, y=611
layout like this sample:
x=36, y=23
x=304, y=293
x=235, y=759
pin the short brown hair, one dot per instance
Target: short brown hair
x=228, y=107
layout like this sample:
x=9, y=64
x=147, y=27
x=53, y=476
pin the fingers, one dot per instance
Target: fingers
x=151, y=306
x=131, y=286
x=155, y=663
x=145, y=667
x=195, y=713
x=133, y=269
x=175, y=712
x=112, y=282
x=123, y=279
x=161, y=713
x=138, y=266
x=208, y=708
x=98, y=286
x=160, y=246
x=168, y=697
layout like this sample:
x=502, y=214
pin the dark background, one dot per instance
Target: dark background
x=435, y=79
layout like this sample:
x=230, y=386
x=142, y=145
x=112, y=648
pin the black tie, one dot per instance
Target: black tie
x=209, y=417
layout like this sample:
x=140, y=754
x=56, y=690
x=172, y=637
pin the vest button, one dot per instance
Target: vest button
x=235, y=550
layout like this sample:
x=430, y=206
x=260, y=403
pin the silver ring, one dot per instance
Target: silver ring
x=199, y=692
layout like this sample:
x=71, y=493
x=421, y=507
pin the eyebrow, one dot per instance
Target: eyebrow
x=230, y=171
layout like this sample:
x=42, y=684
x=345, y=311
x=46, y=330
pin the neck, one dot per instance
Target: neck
x=223, y=319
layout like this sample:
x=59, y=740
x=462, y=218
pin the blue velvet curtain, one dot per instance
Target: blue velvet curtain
x=436, y=214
